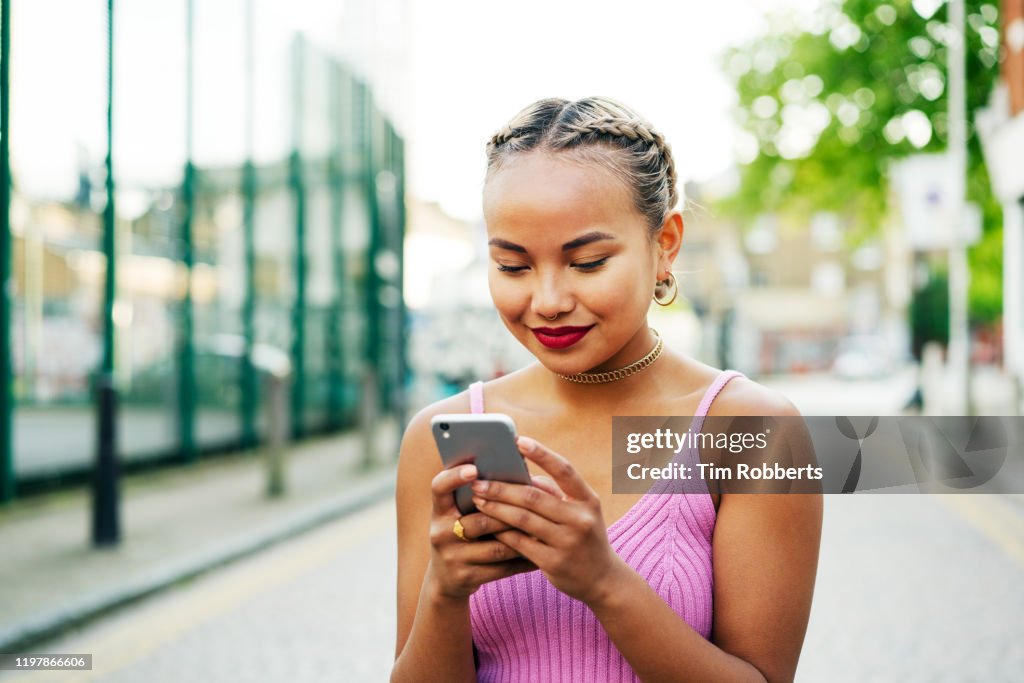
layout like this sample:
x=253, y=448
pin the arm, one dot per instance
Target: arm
x=428, y=623
x=437, y=572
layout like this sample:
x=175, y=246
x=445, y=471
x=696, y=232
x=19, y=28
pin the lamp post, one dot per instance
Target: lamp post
x=1013, y=212
x=959, y=274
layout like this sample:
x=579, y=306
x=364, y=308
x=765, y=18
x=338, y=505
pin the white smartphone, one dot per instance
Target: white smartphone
x=487, y=440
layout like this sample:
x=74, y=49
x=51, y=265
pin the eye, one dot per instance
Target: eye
x=510, y=269
x=590, y=265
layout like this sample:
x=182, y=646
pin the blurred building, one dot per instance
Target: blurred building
x=782, y=296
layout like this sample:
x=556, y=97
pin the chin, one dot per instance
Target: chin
x=559, y=363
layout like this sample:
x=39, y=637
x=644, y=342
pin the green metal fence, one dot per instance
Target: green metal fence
x=288, y=242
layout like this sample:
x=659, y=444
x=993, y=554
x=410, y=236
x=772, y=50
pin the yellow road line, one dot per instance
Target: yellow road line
x=993, y=517
x=129, y=642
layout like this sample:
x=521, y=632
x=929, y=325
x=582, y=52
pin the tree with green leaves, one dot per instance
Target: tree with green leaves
x=829, y=100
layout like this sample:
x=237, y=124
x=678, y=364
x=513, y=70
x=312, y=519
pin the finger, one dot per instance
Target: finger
x=481, y=552
x=444, y=483
x=520, y=566
x=478, y=524
x=548, y=484
x=531, y=548
x=563, y=472
x=484, y=573
x=529, y=497
x=520, y=518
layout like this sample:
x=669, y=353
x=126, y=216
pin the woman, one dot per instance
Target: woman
x=563, y=581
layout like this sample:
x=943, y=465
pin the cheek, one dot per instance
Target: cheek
x=621, y=290
x=509, y=298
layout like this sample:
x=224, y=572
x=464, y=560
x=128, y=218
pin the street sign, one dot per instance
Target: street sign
x=924, y=185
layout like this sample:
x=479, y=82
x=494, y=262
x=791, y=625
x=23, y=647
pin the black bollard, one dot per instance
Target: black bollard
x=106, y=527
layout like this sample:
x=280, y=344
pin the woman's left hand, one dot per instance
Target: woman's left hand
x=564, y=536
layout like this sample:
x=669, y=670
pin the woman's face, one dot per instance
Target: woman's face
x=572, y=267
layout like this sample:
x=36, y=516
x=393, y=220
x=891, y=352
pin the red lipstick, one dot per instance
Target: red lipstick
x=559, y=337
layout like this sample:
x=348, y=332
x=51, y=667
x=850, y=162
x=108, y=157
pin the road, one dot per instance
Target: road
x=909, y=588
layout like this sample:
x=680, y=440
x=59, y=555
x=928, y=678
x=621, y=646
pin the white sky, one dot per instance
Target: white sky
x=468, y=67
x=475, y=64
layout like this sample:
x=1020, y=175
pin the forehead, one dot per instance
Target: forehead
x=555, y=195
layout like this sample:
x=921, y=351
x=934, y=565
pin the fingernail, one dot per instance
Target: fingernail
x=479, y=502
x=526, y=444
x=480, y=486
x=467, y=472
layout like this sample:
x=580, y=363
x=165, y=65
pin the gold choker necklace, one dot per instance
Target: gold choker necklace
x=612, y=375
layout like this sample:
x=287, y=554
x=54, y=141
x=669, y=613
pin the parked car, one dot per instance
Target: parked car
x=863, y=356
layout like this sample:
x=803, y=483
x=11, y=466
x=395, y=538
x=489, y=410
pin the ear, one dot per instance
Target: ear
x=669, y=239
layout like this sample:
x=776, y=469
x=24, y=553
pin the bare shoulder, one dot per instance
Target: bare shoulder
x=506, y=393
x=743, y=396
x=418, y=454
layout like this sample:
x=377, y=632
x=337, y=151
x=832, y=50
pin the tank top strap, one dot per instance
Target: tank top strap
x=476, y=397
x=723, y=378
x=690, y=455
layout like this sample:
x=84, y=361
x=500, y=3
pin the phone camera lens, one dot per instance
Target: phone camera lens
x=444, y=426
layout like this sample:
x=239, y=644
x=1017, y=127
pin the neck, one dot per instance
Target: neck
x=642, y=343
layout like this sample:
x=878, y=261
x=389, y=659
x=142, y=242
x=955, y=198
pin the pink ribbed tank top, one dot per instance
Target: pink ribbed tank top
x=525, y=630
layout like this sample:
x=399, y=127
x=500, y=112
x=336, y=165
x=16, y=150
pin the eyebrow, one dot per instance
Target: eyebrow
x=580, y=241
x=594, y=236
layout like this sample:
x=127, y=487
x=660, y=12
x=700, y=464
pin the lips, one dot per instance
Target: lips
x=560, y=337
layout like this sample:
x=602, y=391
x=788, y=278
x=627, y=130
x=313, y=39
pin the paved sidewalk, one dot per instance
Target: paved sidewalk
x=175, y=524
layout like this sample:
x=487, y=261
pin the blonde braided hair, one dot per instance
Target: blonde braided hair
x=602, y=130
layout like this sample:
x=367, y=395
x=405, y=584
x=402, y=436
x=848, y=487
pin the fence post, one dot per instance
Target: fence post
x=336, y=183
x=296, y=180
x=250, y=397
x=7, y=476
x=186, y=356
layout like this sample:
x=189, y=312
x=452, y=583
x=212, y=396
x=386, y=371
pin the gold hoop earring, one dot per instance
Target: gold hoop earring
x=670, y=281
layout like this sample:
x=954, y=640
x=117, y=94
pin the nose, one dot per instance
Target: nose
x=551, y=297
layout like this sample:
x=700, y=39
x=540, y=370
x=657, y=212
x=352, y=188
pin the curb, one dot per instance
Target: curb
x=31, y=632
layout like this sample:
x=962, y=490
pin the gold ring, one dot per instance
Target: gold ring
x=459, y=530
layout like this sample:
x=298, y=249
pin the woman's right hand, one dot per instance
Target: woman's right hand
x=457, y=567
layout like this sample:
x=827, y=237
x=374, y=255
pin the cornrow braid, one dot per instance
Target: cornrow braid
x=502, y=136
x=632, y=129
x=526, y=129
x=625, y=143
